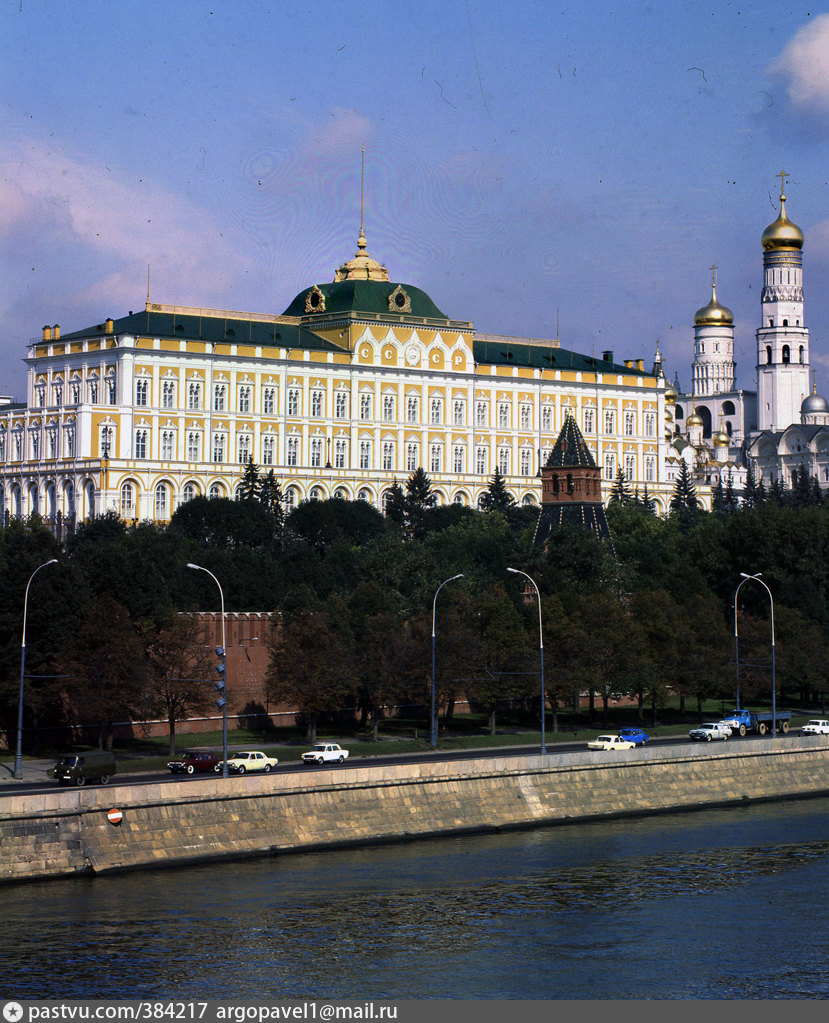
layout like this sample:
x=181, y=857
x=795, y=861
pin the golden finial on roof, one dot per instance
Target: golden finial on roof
x=362, y=267
x=782, y=234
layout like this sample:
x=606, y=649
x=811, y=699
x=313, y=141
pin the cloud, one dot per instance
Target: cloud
x=804, y=66
x=108, y=219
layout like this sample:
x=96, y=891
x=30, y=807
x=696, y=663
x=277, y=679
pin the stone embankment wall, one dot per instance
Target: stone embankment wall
x=68, y=832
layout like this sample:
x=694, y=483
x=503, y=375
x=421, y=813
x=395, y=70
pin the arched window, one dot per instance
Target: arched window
x=802, y=354
x=127, y=501
x=768, y=355
x=161, y=501
x=786, y=355
x=189, y=492
x=216, y=491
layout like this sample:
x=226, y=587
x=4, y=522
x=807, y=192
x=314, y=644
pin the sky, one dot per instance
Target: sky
x=538, y=168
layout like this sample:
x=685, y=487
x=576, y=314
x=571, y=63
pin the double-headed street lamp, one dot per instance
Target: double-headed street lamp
x=433, y=738
x=18, y=757
x=517, y=571
x=222, y=668
x=757, y=578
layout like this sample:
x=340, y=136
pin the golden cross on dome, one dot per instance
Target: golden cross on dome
x=713, y=270
x=782, y=175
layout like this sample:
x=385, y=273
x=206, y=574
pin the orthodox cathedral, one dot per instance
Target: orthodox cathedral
x=782, y=427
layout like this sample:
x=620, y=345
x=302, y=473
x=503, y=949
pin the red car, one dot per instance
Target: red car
x=194, y=762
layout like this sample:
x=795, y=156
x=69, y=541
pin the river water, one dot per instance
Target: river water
x=720, y=904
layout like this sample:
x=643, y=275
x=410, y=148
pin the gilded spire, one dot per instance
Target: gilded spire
x=362, y=267
x=782, y=234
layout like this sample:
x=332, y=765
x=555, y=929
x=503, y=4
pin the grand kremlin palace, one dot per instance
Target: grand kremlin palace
x=358, y=383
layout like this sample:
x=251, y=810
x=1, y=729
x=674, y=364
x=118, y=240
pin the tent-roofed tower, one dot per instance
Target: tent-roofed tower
x=571, y=488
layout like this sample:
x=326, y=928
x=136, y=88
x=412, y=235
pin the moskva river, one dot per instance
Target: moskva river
x=719, y=904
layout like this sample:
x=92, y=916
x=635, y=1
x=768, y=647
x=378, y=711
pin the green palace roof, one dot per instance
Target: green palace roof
x=379, y=298
x=500, y=352
x=216, y=329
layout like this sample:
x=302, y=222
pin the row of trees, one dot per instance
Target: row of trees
x=355, y=592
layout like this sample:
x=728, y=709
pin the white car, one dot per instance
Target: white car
x=325, y=752
x=817, y=726
x=247, y=760
x=710, y=731
x=610, y=742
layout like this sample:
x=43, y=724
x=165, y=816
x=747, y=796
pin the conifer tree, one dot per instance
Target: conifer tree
x=750, y=495
x=496, y=496
x=620, y=492
x=249, y=487
x=685, y=495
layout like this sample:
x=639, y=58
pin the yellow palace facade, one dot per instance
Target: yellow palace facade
x=357, y=384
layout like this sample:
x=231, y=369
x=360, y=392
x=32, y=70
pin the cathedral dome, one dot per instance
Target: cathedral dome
x=693, y=420
x=721, y=439
x=814, y=404
x=713, y=313
x=782, y=234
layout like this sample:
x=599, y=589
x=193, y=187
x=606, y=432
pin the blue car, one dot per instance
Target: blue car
x=634, y=735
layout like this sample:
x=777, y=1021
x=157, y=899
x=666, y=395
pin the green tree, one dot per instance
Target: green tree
x=419, y=497
x=250, y=486
x=497, y=497
x=620, y=491
x=182, y=675
x=108, y=672
x=312, y=664
x=684, y=497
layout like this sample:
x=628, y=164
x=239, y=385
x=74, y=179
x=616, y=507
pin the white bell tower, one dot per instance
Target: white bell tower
x=782, y=337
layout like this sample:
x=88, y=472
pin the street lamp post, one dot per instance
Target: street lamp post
x=757, y=578
x=517, y=571
x=18, y=757
x=224, y=674
x=432, y=719
x=736, y=639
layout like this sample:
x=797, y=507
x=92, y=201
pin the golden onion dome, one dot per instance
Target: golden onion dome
x=721, y=439
x=714, y=312
x=782, y=234
x=693, y=420
x=671, y=394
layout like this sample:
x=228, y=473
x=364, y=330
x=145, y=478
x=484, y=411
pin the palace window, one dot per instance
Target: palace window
x=388, y=455
x=436, y=458
x=69, y=442
x=458, y=458
x=193, y=395
x=610, y=466
x=459, y=412
x=316, y=452
x=51, y=442
x=193, y=446
x=293, y=401
x=525, y=417
x=316, y=403
x=481, y=413
x=339, y=453
x=650, y=468
x=189, y=492
x=111, y=398
x=267, y=450
x=244, y=398
x=525, y=461
x=93, y=392
x=503, y=461
x=244, y=442
x=219, y=398
x=57, y=394
x=609, y=421
x=161, y=501
x=365, y=405
x=218, y=447
x=127, y=501
x=292, y=452
x=546, y=417
x=141, y=389
x=589, y=417
x=140, y=443
x=412, y=456
x=167, y=444
x=168, y=394
x=365, y=454
x=412, y=408
x=341, y=405
x=630, y=467
x=388, y=408
x=503, y=415
x=630, y=423
x=480, y=461
x=650, y=424
x=436, y=410
x=268, y=400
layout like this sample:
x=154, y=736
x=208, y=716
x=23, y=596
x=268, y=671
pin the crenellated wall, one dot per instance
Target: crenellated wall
x=67, y=831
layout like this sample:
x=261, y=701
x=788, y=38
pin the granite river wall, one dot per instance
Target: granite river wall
x=97, y=829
